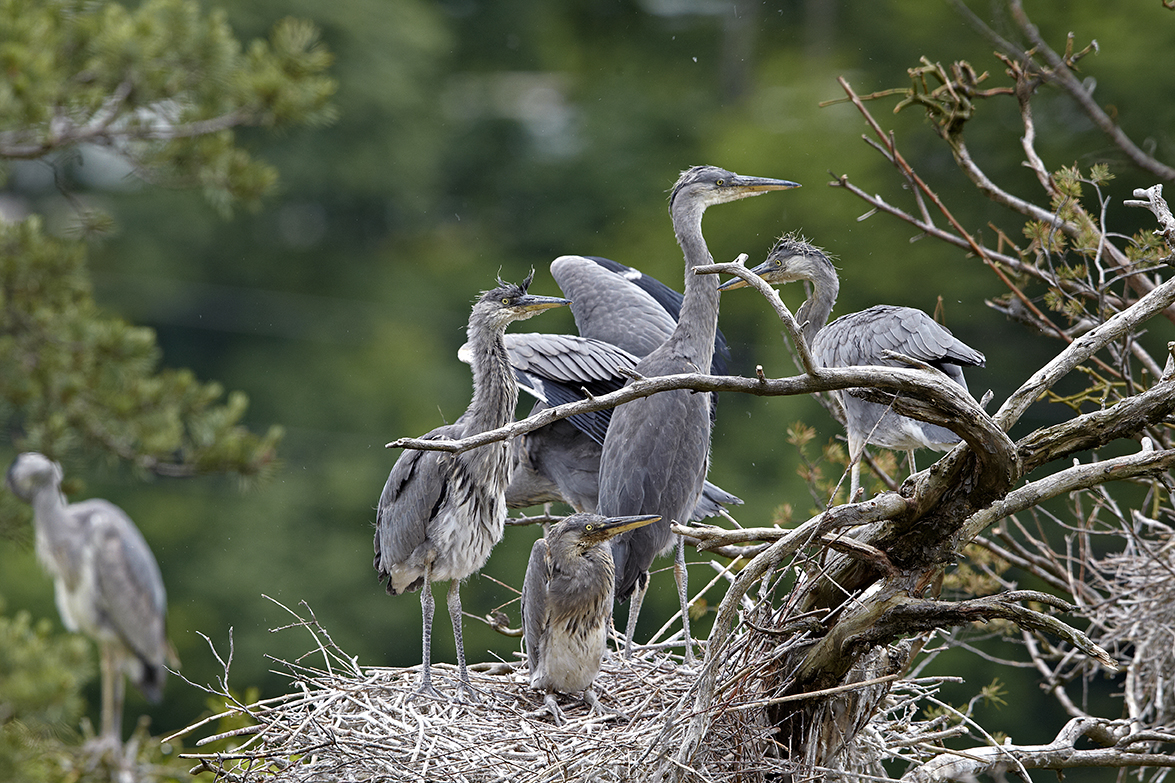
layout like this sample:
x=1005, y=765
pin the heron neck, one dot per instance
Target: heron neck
x=814, y=312
x=57, y=533
x=698, y=321
x=494, y=393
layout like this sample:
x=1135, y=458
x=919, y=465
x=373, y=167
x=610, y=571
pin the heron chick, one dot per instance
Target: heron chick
x=440, y=514
x=106, y=583
x=567, y=604
x=864, y=338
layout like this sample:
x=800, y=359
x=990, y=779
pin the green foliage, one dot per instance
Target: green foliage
x=75, y=380
x=163, y=85
x=41, y=677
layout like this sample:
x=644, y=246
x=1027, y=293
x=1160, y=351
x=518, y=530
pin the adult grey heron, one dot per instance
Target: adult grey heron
x=863, y=338
x=657, y=448
x=567, y=605
x=621, y=314
x=106, y=583
x=440, y=514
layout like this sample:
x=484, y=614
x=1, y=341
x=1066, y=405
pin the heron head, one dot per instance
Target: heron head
x=705, y=186
x=590, y=530
x=791, y=259
x=30, y=472
x=510, y=301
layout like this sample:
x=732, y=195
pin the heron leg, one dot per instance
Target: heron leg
x=634, y=610
x=426, y=610
x=682, y=579
x=910, y=460
x=856, y=451
x=113, y=686
x=464, y=688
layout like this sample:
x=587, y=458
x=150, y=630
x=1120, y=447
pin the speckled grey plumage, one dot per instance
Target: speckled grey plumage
x=441, y=514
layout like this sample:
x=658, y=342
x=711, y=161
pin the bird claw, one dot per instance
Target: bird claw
x=550, y=707
x=466, y=694
x=597, y=707
x=427, y=691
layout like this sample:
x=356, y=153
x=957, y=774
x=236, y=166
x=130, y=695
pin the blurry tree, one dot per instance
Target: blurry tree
x=160, y=89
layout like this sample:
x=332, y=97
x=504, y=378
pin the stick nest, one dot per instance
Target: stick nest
x=341, y=722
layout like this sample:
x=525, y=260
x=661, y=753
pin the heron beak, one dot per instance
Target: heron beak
x=743, y=187
x=617, y=525
x=737, y=282
x=535, y=304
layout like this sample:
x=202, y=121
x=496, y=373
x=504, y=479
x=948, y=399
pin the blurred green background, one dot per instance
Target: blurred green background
x=485, y=138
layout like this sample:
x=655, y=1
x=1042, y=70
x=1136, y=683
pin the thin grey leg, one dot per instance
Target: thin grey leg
x=634, y=610
x=682, y=579
x=464, y=689
x=426, y=611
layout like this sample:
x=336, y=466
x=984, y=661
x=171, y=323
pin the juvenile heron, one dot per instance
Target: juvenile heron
x=657, y=449
x=862, y=338
x=622, y=315
x=106, y=582
x=440, y=514
x=567, y=604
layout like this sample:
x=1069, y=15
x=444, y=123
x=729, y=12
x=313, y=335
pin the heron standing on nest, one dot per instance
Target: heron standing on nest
x=567, y=604
x=657, y=449
x=440, y=514
x=865, y=338
x=106, y=581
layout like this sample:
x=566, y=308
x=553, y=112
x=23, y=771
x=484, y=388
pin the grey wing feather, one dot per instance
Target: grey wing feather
x=132, y=595
x=862, y=338
x=534, y=602
x=410, y=496
x=565, y=357
x=608, y=307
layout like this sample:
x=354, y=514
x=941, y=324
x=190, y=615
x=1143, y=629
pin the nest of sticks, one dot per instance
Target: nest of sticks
x=343, y=722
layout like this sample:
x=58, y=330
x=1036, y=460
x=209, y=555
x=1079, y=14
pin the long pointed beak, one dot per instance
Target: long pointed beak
x=737, y=282
x=753, y=186
x=614, y=526
x=533, y=303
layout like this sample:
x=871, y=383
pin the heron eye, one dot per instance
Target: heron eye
x=505, y=300
x=719, y=182
x=589, y=528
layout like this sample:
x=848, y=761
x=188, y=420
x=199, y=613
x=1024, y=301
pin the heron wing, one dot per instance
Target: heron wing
x=411, y=497
x=608, y=305
x=131, y=596
x=534, y=602
x=863, y=338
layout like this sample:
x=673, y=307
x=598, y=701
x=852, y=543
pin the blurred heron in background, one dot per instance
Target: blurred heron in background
x=106, y=582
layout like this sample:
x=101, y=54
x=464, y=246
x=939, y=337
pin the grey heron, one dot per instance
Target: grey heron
x=567, y=605
x=657, y=448
x=106, y=583
x=621, y=314
x=440, y=514
x=863, y=338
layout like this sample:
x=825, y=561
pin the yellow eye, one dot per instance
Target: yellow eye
x=720, y=182
x=505, y=300
x=588, y=528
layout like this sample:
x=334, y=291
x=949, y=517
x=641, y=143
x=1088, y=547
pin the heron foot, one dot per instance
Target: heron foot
x=426, y=691
x=466, y=693
x=550, y=707
x=597, y=708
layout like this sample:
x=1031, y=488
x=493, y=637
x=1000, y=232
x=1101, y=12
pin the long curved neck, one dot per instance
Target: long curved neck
x=698, y=321
x=814, y=312
x=494, y=393
x=58, y=534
